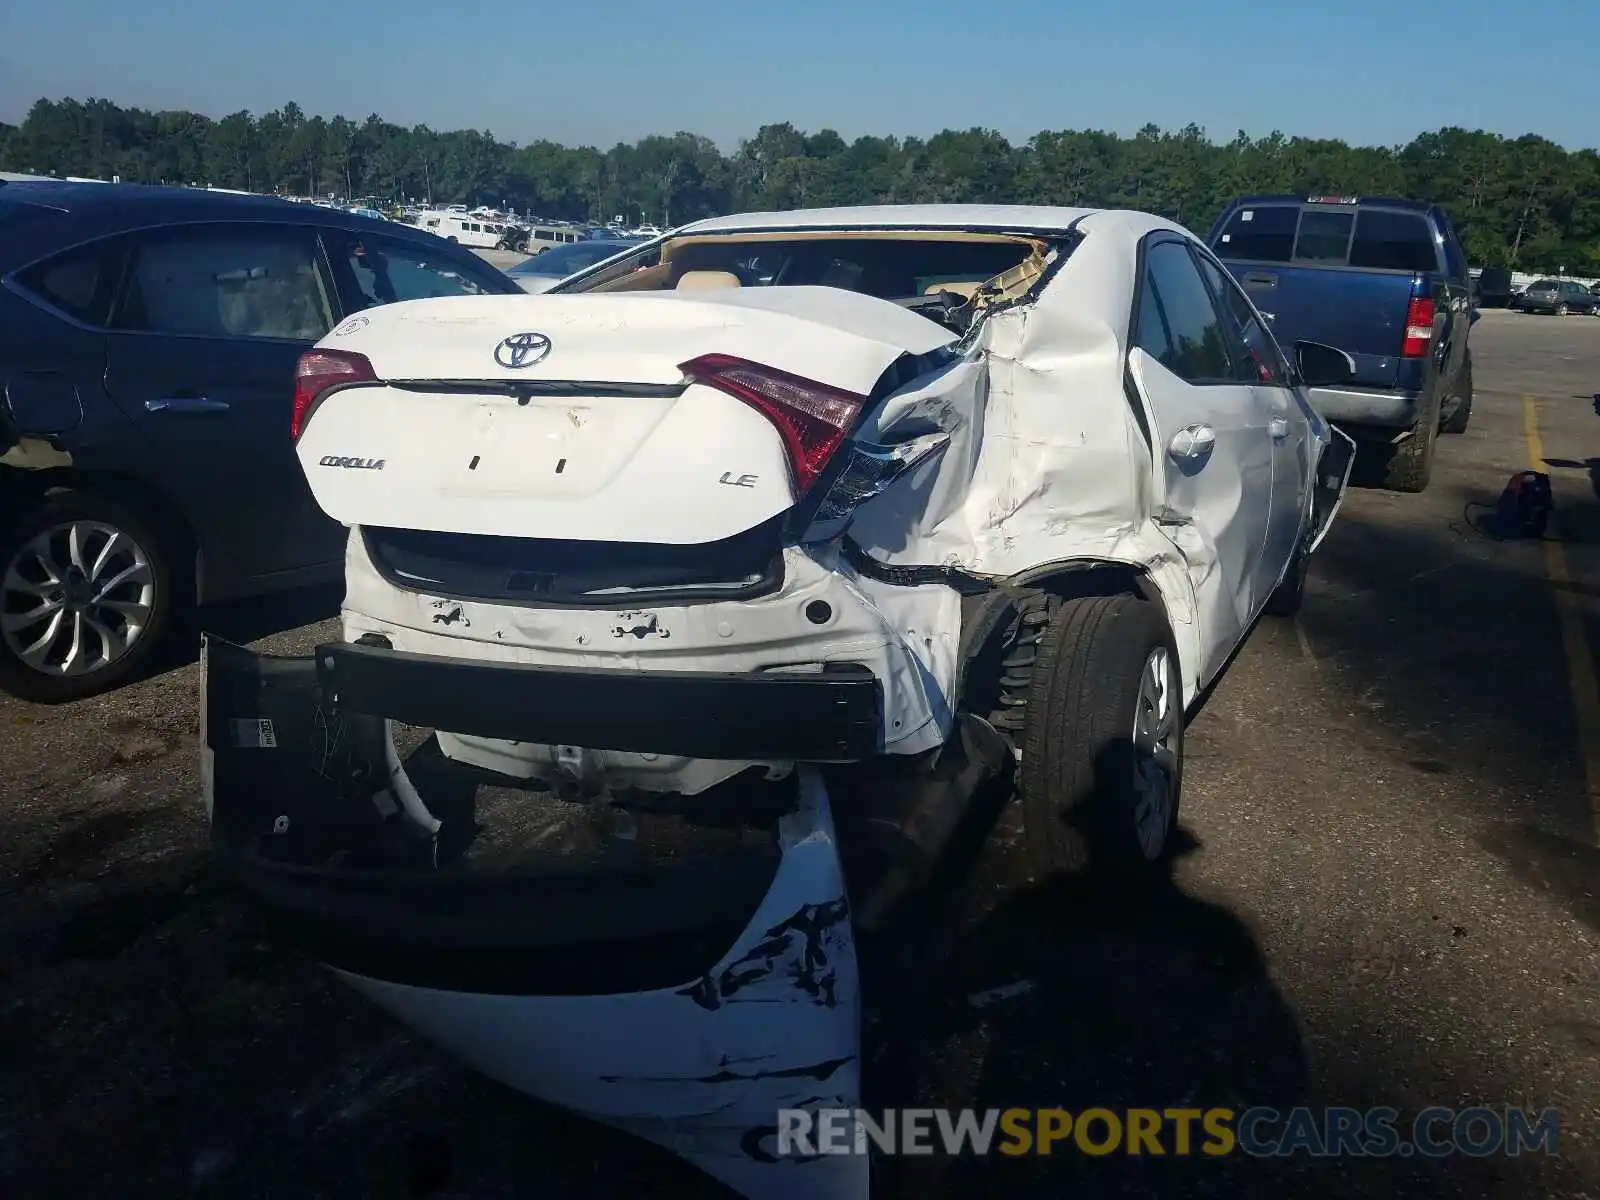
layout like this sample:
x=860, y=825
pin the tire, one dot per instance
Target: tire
x=1410, y=464
x=41, y=532
x=1289, y=596
x=1562, y=310
x=1457, y=421
x=1084, y=810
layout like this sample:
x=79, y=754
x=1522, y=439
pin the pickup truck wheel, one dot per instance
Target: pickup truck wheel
x=1102, y=742
x=87, y=596
x=1457, y=421
x=1410, y=464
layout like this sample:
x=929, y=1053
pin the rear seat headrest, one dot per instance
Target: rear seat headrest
x=702, y=281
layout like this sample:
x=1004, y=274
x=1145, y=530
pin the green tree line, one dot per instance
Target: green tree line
x=1524, y=202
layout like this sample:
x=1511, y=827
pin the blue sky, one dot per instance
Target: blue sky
x=1370, y=71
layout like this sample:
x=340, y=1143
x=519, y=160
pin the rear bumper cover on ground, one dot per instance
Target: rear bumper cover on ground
x=686, y=1002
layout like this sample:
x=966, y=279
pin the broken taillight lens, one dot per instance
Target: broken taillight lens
x=319, y=370
x=812, y=418
x=871, y=471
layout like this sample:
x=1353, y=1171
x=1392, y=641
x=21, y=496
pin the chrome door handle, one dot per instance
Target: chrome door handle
x=186, y=404
x=1279, y=428
x=1192, y=444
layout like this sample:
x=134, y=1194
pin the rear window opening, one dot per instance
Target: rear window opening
x=946, y=275
x=1375, y=239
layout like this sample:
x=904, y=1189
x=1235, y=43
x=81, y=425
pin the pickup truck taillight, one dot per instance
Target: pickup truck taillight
x=319, y=370
x=1419, y=328
x=812, y=418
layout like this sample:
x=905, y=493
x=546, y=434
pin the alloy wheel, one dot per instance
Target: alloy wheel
x=76, y=598
x=1155, y=743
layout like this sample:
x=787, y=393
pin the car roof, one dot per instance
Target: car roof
x=90, y=210
x=976, y=217
x=72, y=197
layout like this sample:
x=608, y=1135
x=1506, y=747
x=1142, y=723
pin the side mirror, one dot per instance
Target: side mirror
x=1322, y=366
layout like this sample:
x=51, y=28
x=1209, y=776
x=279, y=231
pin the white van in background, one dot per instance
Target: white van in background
x=462, y=227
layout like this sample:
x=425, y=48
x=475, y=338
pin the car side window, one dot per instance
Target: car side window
x=1177, y=323
x=231, y=281
x=386, y=270
x=80, y=282
x=1255, y=353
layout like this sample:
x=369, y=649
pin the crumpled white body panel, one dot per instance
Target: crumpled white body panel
x=1046, y=463
x=702, y=1069
x=909, y=636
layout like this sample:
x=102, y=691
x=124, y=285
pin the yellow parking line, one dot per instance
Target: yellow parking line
x=1574, y=637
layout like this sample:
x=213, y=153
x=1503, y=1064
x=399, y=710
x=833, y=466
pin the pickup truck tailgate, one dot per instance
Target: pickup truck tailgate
x=1361, y=312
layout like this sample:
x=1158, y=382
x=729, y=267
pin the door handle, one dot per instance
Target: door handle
x=1279, y=428
x=186, y=404
x=1192, y=444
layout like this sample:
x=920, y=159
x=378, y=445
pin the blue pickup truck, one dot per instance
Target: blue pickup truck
x=1384, y=280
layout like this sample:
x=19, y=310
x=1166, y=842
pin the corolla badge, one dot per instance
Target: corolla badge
x=521, y=350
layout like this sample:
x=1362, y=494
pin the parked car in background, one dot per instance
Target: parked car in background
x=1559, y=297
x=776, y=573
x=543, y=271
x=1383, y=279
x=1494, y=288
x=148, y=340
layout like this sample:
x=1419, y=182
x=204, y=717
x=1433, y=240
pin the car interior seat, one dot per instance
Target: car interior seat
x=704, y=281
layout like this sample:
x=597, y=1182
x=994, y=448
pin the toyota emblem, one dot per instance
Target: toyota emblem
x=521, y=350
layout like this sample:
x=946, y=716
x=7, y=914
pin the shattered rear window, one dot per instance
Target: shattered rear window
x=889, y=267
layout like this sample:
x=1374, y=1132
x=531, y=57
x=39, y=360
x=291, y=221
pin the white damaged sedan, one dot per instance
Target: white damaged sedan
x=690, y=605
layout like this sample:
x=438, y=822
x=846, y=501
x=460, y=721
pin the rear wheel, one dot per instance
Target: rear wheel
x=87, y=596
x=1462, y=413
x=1102, y=741
x=1410, y=464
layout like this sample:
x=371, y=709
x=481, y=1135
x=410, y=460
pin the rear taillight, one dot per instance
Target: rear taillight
x=1419, y=328
x=812, y=418
x=319, y=370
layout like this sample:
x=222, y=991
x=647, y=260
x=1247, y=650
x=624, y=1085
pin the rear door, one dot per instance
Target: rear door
x=1259, y=363
x=201, y=355
x=52, y=349
x=1452, y=293
x=1212, y=439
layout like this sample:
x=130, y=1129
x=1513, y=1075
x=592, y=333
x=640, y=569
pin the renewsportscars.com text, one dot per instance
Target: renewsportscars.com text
x=1260, y=1132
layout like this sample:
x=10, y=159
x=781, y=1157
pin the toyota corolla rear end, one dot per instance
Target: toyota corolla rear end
x=560, y=798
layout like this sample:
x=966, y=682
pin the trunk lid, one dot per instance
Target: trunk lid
x=568, y=417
